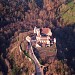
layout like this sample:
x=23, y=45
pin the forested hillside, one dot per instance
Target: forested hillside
x=17, y=20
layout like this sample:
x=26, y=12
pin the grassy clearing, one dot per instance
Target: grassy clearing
x=69, y=15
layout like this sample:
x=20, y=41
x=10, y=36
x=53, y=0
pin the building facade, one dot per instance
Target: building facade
x=43, y=37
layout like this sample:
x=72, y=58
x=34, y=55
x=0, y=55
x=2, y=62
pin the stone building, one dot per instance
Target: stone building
x=43, y=37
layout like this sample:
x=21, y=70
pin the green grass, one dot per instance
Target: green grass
x=69, y=15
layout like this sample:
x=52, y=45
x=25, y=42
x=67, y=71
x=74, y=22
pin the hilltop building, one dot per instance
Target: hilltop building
x=43, y=37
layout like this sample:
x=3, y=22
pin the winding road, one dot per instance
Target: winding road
x=39, y=70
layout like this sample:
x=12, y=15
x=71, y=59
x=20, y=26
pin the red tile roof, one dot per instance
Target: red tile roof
x=45, y=30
